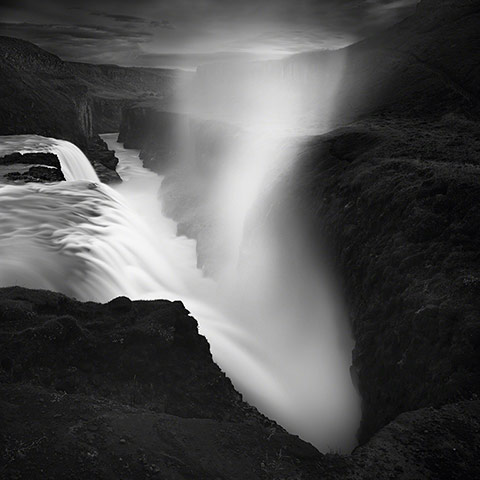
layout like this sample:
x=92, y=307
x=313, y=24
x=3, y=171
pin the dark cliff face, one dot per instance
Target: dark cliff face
x=395, y=194
x=40, y=94
x=400, y=210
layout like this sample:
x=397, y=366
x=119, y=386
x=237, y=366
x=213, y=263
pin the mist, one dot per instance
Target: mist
x=263, y=296
x=276, y=288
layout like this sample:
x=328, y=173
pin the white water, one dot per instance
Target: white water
x=84, y=239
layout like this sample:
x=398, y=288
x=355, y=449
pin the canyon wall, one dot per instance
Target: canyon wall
x=399, y=208
x=189, y=152
x=393, y=195
x=41, y=94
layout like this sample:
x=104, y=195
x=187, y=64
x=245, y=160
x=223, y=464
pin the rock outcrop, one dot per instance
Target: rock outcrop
x=30, y=167
x=135, y=374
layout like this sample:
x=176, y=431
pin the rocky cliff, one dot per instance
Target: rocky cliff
x=189, y=151
x=41, y=94
x=394, y=194
x=400, y=209
x=112, y=88
x=129, y=389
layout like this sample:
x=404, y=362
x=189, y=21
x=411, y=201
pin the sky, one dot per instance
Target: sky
x=187, y=33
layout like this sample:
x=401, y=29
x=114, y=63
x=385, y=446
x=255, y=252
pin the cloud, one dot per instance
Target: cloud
x=83, y=43
x=59, y=31
x=191, y=60
x=140, y=31
x=162, y=24
x=120, y=18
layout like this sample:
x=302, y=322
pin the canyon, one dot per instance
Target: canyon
x=387, y=186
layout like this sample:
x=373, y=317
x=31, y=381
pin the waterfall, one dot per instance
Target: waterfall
x=74, y=164
x=91, y=242
x=88, y=241
x=111, y=250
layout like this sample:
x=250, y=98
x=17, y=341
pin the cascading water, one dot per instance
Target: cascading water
x=86, y=240
x=92, y=242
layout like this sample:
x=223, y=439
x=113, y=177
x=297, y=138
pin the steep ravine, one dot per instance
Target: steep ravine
x=395, y=202
x=399, y=209
x=395, y=198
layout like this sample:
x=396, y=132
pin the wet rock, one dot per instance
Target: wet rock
x=36, y=158
x=36, y=174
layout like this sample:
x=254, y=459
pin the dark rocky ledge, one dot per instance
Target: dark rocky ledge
x=45, y=167
x=36, y=174
x=34, y=158
x=129, y=390
x=102, y=159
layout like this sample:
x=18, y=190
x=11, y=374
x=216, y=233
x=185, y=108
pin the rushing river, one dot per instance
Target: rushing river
x=94, y=242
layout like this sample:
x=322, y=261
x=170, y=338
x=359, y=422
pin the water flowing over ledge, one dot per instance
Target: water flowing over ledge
x=91, y=242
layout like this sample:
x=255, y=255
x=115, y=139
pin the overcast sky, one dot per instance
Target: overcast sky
x=190, y=32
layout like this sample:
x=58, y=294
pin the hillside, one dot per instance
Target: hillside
x=41, y=94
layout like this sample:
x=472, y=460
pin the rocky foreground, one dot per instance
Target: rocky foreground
x=130, y=390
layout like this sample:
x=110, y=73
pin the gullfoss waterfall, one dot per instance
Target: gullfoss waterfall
x=92, y=242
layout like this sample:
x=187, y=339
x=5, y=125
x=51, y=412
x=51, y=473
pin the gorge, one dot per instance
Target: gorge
x=300, y=209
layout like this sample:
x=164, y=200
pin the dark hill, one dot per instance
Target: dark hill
x=41, y=94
